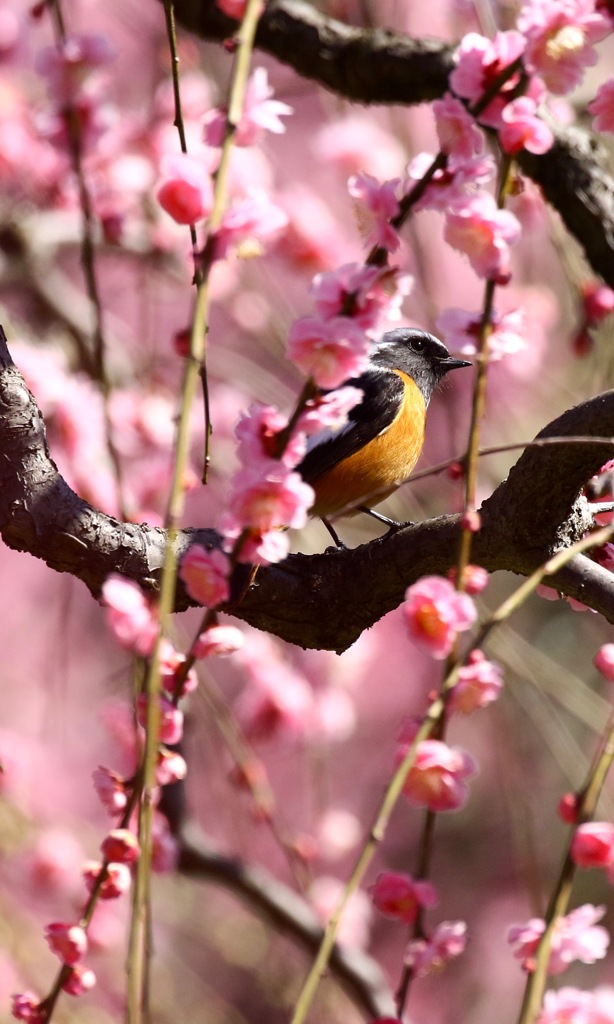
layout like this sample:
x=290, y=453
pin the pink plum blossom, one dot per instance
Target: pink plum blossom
x=436, y=612
x=437, y=777
x=121, y=846
x=458, y=134
x=129, y=615
x=452, y=183
x=560, y=38
x=592, y=845
x=68, y=65
x=484, y=234
x=479, y=684
x=117, y=879
x=257, y=433
x=523, y=129
x=185, y=192
x=602, y=107
x=205, y=575
x=475, y=579
x=27, y=1006
x=597, y=301
x=426, y=956
x=376, y=205
x=329, y=351
x=111, y=790
x=460, y=330
x=400, y=896
x=67, y=941
x=480, y=62
x=171, y=767
x=573, y=1006
x=329, y=410
x=218, y=641
x=171, y=718
x=356, y=143
x=574, y=937
x=252, y=219
x=364, y=293
x=281, y=498
x=171, y=667
x=79, y=981
x=260, y=114
x=604, y=661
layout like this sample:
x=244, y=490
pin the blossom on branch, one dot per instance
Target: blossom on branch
x=427, y=956
x=484, y=233
x=400, y=896
x=260, y=113
x=437, y=778
x=574, y=937
x=436, y=612
x=560, y=38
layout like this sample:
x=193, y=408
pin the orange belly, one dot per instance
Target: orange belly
x=371, y=474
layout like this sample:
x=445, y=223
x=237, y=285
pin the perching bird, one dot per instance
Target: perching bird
x=367, y=458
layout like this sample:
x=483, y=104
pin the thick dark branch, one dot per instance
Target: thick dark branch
x=306, y=599
x=375, y=66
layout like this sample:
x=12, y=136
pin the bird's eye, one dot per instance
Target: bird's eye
x=418, y=344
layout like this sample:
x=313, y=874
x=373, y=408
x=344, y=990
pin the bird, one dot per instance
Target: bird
x=362, y=462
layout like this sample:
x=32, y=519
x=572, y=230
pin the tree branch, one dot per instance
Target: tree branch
x=377, y=66
x=306, y=599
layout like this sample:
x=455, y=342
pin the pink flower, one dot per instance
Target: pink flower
x=483, y=233
x=437, y=777
x=171, y=718
x=233, y=8
x=376, y=205
x=452, y=183
x=575, y=937
x=257, y=433
x=399, y=896
x=523, y=129
x=592, y=845
x=328, y=351
x=27, y=1006
x=120, y=846
x=205, y=575
x=479, y=684
x=597, y=301
x=185, y=193
x=111, y=789
x=80, y=980
x=426, y=956
x=67, y=941
x=280, y=498
x=171, y=767
x=560, y=36
x=260, y=114
x=458, y=134
x=171, y=666
x=436, y=612
x=219, y=641
x=602, y=107
x=258, y=547
x=480, y=62
x=475, y=579
x=68, y=66
x=604, y=661
x=129, y=615
x=252, y=220
x=364, y=293
x=572, y=1006
x=329, y=410
x=460, y=330
x=116, y=882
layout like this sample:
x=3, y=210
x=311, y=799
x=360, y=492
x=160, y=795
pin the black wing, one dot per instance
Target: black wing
x=383, y=392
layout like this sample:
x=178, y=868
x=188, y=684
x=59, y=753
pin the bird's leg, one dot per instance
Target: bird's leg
x=392, y=524
x=333, y=533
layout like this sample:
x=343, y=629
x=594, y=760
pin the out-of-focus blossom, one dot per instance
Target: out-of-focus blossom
x=592, y=845
x=523, y=129
x=574, y=937
x=330, y=410
x=356, y=144
x=165, y=846
x=475, y=579
x=27, y=1006
x=277, y=701
x=479, y=684
x=484, y=233
x=129, y=615
x=458, y=134
x=597, y=301
x=205, y=575
x=67, y=66
x=602, y=107
x=67, y=941
x=80, y=980
x=233, y=8
x=460, y=330
x=257, y=433
x=449, y=184
x=436, y=612
x=400, y=896
x=376, y=205
x=560, y=38
x=186, y=192
x=260, y=113
x=219, y=641
x=325, y=892
x=426, y=956
x=171, y=718
x=120, y=845
x=437, y=778
x=604, y=661
x=111, y=790
x=573, y=1006
x=328, y=350
x=171, y=767
x=567, y=808
x=480, y=62
x=116, y=882
x=253, y=219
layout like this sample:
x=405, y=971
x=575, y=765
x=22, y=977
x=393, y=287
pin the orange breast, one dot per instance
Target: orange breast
x=371, y=474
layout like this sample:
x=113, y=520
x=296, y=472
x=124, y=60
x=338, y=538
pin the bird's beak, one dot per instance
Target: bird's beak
x=450, y=363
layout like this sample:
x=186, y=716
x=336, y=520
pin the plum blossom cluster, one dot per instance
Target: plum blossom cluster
x=461, y=329
x=574, y=1006
x=576, y=936
x=105, y=879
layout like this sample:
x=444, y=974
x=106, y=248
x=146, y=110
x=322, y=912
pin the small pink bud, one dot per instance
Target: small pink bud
x=592, y=845
x=471, y=520
x=80, y=980
x=604, y=661
x=116, y=882
x=567, y=809
x=26, y=1006
x=121, y=846
x=171, y=767
x=68, y=941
